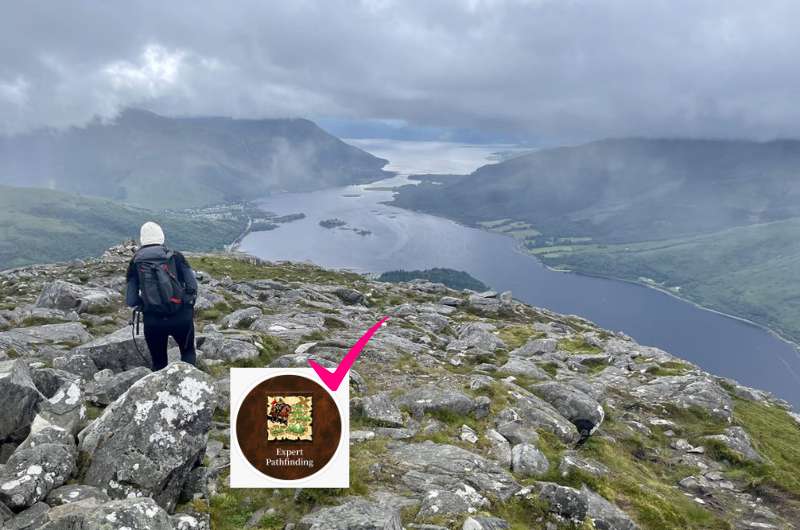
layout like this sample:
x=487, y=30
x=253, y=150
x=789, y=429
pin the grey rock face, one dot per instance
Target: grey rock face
x=5, y=514
x=737, y=440
x=81, y=365
x=686, y=391
x=380, y=409
x=431, y=398
x=70, y=332
x=148, y=441
x=349, y=296
x=64, y=408
x=476, y=338
x=499, y=448
x=442, y=502
x=229, y=350
x=134, y=513
x=75, y=493
x=290, y=327
x=117, y=351
x=439, y=467
x=48, y=435
x=30, y=474
x=604, y=515
x=19, y=396
x=572, y=462
x=451, y=301
x=106, y=391
x=565, y=501
x=579, y=408
x=536, y=347
x=357, y=514
x=69, y=296
x=242, y=318
x=528, y=461
x=485, y=523
x=535, y=412
x=31, y=519
x=517, y=366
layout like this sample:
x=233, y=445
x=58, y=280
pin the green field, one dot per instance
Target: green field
x=750, y=272
x=42, y=226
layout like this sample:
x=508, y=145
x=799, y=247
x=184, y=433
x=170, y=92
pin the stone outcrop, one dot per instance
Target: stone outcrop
x=147, y=442
x=462, y=406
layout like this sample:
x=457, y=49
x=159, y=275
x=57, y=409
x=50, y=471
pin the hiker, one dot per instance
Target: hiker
x=162, y=285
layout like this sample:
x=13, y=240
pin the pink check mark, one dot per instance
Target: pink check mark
x=333, y=379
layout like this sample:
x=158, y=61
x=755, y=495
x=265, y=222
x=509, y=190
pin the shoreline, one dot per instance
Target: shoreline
x=771, y=331
x=520, y=250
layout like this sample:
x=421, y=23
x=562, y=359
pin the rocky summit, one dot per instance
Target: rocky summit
x=469, y=410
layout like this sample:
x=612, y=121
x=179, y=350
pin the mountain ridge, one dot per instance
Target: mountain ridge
x=160, y=162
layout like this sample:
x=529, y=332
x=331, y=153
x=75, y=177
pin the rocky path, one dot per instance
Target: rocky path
x=492, y=415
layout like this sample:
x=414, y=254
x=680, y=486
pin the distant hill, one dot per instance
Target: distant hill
x=627, y=189
x=160, y=162
x=750, y=271
x=42, y=226
x=716, y=222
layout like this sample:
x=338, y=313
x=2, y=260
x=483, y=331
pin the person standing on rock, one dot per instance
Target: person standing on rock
x=162, y=285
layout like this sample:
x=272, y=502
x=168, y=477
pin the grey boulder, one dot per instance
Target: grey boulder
x=19, y=397
x=242, y=318
x=118, y=351
x=75, y=493
x=106, y=390
x=737, y=440
x=579, y=408
x=219, y=348
x=356, y=514
x=134, y=513
x=379, y=409
x=484, y=523
x=30, y=474
x=685, y=391
x=435, y=399
x=440, y=467
x=66, y=296
x=523, y=367
x=148, y=441
x=536, y=412
x=528, y=461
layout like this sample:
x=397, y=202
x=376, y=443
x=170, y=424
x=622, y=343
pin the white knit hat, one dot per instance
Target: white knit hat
x=151, y=234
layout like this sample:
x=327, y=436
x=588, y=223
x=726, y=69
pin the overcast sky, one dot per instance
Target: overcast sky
x=544, y=71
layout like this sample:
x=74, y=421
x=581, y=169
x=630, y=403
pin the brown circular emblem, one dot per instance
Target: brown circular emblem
x=288, y=427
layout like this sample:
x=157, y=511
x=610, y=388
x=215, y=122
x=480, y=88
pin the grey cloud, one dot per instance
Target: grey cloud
x=551, y=70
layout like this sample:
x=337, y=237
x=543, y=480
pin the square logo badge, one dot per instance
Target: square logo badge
x=288, y=430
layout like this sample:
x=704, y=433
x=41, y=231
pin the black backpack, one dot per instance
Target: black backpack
x=161, y=291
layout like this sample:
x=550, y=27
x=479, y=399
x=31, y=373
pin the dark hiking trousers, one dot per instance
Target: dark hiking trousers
x=158, y=329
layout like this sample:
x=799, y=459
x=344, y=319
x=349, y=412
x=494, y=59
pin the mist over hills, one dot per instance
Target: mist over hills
x=711, y=221
x=627, y=189
x=158, y=162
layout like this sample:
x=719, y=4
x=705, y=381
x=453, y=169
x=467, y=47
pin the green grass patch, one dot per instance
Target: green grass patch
x=214, y=313
x=776, y=436
x=516, y=336
x=247, y=269
x=644, y=485
x=40, y=321
x=578, y=344
x=669, y=368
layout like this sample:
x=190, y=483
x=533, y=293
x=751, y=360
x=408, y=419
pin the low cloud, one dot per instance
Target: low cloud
x=546, y=70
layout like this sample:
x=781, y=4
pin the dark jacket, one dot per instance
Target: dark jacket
x=185, y=274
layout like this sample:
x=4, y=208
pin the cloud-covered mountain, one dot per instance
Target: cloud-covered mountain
x=627, y=189
x=160, y=162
